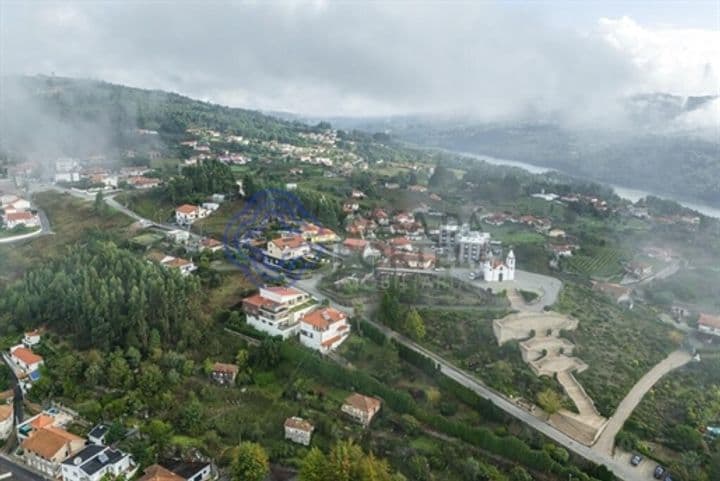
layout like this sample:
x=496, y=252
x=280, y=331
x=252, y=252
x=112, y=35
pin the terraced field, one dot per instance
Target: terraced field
x=603, y=263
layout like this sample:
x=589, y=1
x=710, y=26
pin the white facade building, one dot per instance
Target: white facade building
x=324, y=329
x=472, y=245
x=496, y=270
x=277, y=310
x=95, y=461
x=288, y=248
x=298, y=430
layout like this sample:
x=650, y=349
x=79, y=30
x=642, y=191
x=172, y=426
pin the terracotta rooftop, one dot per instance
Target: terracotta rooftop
x=6, y=410
x=353, y=243
x=158, y=473
x=323, y=317
x=187, y=209
x=363, y=403
x=292, y=242
x=299, y=423
x=48, y=441
x=26, y=355
x=709, y=320
x=16, y=216
x=284, y=291
x=42, y=421
x=225, y=368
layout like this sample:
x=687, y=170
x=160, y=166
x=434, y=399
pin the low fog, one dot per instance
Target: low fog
x=487, y=61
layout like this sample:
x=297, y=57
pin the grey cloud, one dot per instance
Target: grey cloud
x=325, y=58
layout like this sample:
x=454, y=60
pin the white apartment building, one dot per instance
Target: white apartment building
x=472, y=245
x=96, y=461
x=324, y=329
x=277, y=310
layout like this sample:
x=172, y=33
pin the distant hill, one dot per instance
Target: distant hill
x=63, y=116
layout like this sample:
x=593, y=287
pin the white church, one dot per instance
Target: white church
x=495, y=270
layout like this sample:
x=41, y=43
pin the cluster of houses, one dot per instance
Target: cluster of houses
x=17, y=211
x=69, y=171
x=49, y=448
x=23, y=361
x=497, y=219
x=379, y=222
x=360, y=408
x=289, y=312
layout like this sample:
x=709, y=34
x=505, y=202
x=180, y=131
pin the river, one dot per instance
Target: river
x=628, y=193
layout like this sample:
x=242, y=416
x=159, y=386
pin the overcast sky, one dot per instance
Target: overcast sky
x=325, y=58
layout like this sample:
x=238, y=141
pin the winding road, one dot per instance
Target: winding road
x=600, y=453
x=606, y=441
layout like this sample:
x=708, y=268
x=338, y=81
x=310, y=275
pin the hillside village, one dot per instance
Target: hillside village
x=328, y=294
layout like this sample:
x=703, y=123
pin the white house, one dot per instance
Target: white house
x=14, y=219
x=298, y=430
x=496, y=270
x=31, y=338
x=96, y=461
x=15, y=205
x=708, y=324
x=185, y=266
x=186, y=214
x=277, y=310
x=178, y=236
x=26, y=360
x=361, y=408
x=288, y=248
x=324, y=329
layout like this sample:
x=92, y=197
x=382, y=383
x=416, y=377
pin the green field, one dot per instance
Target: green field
x=604, y=262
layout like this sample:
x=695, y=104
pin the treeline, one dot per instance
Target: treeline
x=345, y=462
x=199, y=181
x=105, y=297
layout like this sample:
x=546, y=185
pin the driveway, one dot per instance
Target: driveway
x=18, y=472
x=606, y=441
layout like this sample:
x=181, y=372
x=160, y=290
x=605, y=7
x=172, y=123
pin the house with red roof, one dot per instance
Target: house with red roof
x=186, y=214
x=288, y=248
x=324, y=329
x=25, y=362
x=317, y=234
x=15, y=218
x=709, y=324
x=361, y=408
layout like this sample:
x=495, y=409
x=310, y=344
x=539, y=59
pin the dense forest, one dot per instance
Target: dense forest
x=200, y=181
x=105, y=297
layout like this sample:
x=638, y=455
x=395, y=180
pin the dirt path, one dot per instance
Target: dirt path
x=606, y=441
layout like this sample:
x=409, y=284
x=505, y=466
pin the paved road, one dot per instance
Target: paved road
x=19, y=472
x=618, y=465
x=606, y=441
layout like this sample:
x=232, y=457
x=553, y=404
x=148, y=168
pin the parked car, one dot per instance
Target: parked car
x=471, y=276
x=636, y=459
x=659, y=471
x=668, y=478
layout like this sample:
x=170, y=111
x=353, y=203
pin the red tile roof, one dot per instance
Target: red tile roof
x=292, y=242
x=299, y=424
x=363, y=403
x=709, y=320
x=352, y=243
x=187, y=209
x=323, y=317
x=19, y=216
x=26, y=355
x=284, y=291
